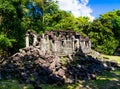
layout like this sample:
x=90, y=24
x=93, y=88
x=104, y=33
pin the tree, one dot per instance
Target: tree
x=82, y=23
x=5, y=43
x=14, y=20
x=104, y=32
x=116, y=27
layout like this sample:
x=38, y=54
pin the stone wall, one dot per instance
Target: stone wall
x=59, y=42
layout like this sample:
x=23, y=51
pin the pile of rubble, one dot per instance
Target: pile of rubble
x=30, y=64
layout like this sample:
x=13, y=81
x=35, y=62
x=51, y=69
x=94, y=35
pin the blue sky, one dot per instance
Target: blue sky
x=90, y=8
x=102, y=6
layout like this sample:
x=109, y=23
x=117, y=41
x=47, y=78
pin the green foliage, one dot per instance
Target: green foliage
x=14, y=22
x=10, y=24
x=13, y=84
x=65, y=21
x=5, y=43
x=111, y=20
x=116, y=26
x=64, y=60
x=104, y=32
x=82, y=23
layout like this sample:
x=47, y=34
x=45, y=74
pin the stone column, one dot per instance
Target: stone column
x=43, y=44
x=51, y=46
x=55, y=46
x=34, y=40
x=47, y=44
x=82, y=44
x=90, y=44
x=27, y=40
x=77, y=43
x=73, y=43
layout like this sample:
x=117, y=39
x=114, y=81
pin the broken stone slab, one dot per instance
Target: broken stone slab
x=40, y=61
x=61, y=72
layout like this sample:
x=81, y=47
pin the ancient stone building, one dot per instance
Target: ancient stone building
x=58, y=42
x=42, y=61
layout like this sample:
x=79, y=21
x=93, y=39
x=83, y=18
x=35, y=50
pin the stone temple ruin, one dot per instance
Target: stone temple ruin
x=57, y=42
x=55, y=57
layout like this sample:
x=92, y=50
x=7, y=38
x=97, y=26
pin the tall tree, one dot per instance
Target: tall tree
x=16, y=17
x=104, y=32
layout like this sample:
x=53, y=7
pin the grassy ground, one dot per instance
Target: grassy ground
x=13, y=84
x=107, y=80
x=112, y=58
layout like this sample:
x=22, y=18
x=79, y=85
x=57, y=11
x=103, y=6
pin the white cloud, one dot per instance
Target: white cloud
x=77, y=7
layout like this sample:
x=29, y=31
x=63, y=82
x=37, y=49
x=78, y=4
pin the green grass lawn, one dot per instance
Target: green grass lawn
x=107, y=80
x=13, y=84
x=112, y=58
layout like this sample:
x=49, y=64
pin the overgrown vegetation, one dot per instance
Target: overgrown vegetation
x=103, y=32
x=17, y=16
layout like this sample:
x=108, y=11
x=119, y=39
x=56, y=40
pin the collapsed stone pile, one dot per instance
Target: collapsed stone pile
x=30, y=64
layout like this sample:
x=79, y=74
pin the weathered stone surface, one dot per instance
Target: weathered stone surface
x=61, y=72
x=58, y=42
x=32, y=65
x=48, y=68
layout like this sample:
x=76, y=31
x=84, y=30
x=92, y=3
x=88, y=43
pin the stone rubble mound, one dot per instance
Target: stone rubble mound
x=30, y=64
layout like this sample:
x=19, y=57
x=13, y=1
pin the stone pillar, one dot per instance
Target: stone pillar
x=51, y=46
x=77, y=43
x=73, y=43
x=34, y=40
x=27, y=40
x=64, y=43
x=55, y=46
x=47, y=44
x=43, y=44
x=82, y=44
x=90, y=44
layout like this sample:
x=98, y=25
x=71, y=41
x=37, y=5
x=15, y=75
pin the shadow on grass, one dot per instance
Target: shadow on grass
x=108, y=80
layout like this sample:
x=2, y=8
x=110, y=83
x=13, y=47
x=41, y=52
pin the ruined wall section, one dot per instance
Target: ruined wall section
x=58, y=42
